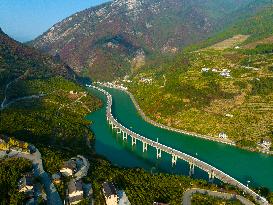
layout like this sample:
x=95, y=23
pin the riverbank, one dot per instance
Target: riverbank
x=147, y=119
x=212, y=171
x=193, y=134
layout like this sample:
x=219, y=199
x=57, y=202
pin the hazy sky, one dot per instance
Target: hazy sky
x=24, y=20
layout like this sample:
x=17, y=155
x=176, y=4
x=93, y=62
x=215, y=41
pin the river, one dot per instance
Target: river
x=240, y=164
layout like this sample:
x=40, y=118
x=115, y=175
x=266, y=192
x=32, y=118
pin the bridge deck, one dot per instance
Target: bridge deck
x=183, y=156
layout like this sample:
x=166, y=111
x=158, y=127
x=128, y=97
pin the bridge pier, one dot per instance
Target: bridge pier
x=158, y=153
x=133, y=141
x=211, y=176
x=119, y=130
x=124, y=135
x=191, y=172
x=174, y=159
x=145, y=146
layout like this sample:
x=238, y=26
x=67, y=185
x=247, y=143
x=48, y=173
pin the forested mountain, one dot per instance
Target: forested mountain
x=258, y=27
x=40, y=101
x=17, y=60
x=109, y=40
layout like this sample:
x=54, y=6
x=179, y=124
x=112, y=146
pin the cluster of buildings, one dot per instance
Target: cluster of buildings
x=9, y=143
x=224, y=72
x=112, y=196
x=114, y=84
x=146, y=80
x=75, y=169
x=265, y=145
x=26, y=185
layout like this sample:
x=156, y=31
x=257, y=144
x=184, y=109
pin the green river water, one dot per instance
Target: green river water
x=240, y=164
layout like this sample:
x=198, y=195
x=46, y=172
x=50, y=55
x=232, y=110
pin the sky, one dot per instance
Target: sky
x=24, y=20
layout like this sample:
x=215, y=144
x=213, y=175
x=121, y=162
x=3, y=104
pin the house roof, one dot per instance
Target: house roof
x=29, y=181
x=75, y=198
x=56, y=176
x=69, y=164
x=109, y=189
x=25, y=181
x=74, y=186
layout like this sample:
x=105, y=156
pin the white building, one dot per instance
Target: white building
x=265, y=144
x=225, y=73
x=122, y=198
x=75, y=192
x=110, y=193
x=26, y=183
x=68, y=168
x=205, y=70
x=223, y=135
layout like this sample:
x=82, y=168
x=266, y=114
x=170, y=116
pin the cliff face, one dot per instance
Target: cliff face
x=105, y=40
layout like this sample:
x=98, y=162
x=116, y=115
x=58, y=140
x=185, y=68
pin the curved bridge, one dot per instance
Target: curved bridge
x=193, y=162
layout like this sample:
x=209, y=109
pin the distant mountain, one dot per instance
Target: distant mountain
x=258, y=25
x=109, y=40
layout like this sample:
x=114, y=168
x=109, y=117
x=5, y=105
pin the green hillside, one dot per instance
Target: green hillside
x=183, y=96
x=258, y=26
x=40, y=102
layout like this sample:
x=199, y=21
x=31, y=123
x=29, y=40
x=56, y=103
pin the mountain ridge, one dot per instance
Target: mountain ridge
x=106, y=41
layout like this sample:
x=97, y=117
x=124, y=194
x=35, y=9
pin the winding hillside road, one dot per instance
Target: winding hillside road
x=6, y=104
x=53, y=197
x=6, y=90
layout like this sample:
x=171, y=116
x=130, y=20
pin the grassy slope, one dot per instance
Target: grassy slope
x=259, y=26
x=199, y=102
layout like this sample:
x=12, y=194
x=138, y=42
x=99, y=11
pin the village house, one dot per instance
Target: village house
x=68, y=168
x=122, y=198
x=110, y=193
x=225, y=73
x=146, y=80
x=215, y=70
x=265, y=144
x=75, y=192
x=56, y=178
x=25, y=184
x=223, y=135
x=205, y=70
x=73, y=93
x=3, y=145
